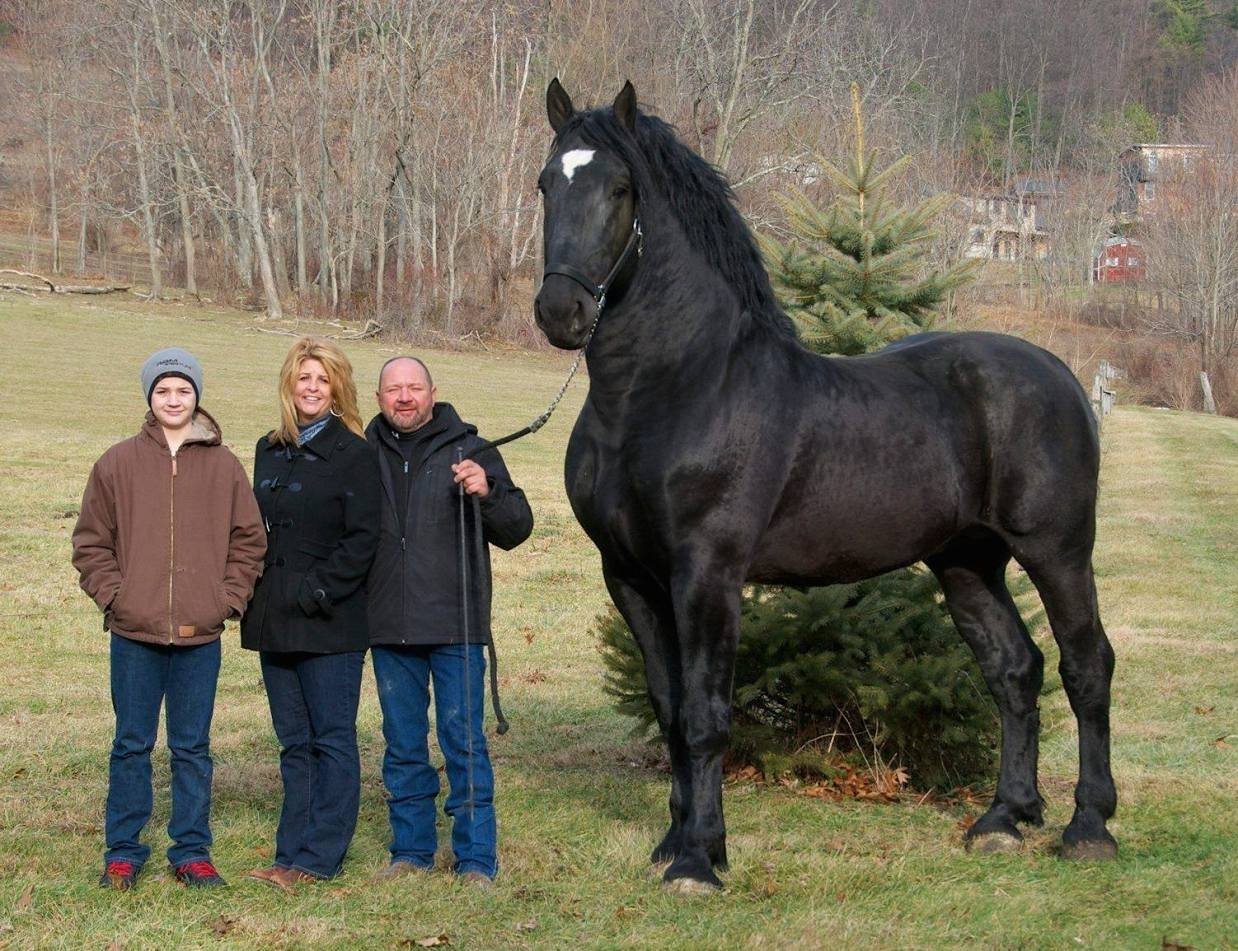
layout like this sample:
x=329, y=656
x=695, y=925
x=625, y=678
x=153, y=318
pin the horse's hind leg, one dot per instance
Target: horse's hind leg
x=972, y=574
x=1068, y=591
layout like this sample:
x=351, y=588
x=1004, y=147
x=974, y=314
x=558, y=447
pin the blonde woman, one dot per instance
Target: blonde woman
x=316, y=480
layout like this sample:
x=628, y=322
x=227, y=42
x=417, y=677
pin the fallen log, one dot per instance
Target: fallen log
x=54, y=288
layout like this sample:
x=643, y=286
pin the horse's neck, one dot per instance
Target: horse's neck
x=678, y=320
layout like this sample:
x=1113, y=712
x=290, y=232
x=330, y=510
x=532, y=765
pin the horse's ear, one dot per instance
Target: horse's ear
x=559, y=106
x=625, y=107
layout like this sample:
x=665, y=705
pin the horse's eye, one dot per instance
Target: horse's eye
x=619, y=191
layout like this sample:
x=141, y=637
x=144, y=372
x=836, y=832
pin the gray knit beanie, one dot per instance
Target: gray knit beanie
x=171, y=362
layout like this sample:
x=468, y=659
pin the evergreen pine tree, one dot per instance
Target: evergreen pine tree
x=853, y=277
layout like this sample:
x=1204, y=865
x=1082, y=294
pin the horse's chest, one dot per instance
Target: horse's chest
x=610, y=498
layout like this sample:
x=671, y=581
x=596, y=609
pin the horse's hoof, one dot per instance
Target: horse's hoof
x=1090, y=850
x=658, y=869
x=989, y=843
x=690, y=887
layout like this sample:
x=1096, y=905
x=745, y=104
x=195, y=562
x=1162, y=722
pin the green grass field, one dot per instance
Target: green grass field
x=580, y=804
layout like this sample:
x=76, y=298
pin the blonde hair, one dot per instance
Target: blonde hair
x=339, y=375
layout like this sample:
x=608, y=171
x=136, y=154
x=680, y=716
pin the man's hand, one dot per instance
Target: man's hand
x=473, y=477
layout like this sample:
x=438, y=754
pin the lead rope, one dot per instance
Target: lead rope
x=464, y=624
x=502, y=725
x=635, y=245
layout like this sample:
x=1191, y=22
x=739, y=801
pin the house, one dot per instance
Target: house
x=1120, y=260
x=1142, y=168
x=1009, y=226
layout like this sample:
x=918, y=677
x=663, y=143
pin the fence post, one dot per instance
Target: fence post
x=1103, y=398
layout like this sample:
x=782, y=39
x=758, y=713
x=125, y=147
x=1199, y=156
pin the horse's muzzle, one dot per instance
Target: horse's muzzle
x=564, y=311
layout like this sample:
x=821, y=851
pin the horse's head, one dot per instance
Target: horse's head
x=590, y=229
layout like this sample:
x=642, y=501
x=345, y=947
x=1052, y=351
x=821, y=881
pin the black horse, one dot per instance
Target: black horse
x=713, y=449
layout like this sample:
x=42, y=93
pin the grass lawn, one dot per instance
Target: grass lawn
x=579, y=803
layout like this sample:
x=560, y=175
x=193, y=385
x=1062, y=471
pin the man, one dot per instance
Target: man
x=415, y=606
x=169, y=544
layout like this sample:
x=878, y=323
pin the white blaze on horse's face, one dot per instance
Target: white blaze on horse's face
x=577, y=158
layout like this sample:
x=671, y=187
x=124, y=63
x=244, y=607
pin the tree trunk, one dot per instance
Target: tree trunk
x=244, y=247
x=82, y=223
x=254, y=209
x=148, y=218
x=179, y=174
x=324, y=22
x=298, y=211
x=279, y=262
x=1210, y=405
x=53, y=198
x=401, y=234
x=139, y=150
x=381, y=264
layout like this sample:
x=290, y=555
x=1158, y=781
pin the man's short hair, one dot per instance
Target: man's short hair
x=421, y=363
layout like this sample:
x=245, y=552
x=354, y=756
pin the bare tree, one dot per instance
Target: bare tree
x=228, y=55
x=1192, y=239
x=41, y=24
x=740, y=59
x=180, y=174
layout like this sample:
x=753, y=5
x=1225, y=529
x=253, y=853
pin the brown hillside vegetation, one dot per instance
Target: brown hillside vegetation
x=376, y=160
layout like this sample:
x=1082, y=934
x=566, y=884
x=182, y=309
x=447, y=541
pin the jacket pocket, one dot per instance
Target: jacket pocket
x=305, y=598
x=315, y=549
x=221, y=597
x=118, y=613
x=200, y=607
x=436, y=496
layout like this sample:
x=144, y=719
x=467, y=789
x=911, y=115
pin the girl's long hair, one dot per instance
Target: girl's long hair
x=339, y=374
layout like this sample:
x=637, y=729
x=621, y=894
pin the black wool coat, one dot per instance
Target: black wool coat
x=320, y=503
x=414, y=585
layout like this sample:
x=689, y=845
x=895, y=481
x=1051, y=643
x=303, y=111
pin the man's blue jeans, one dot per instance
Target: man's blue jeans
x=313, y=699
x=142, y=676
x=403, y=675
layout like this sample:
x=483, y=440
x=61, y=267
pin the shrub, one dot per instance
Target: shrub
x=871, y=667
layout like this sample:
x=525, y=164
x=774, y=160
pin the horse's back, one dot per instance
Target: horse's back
x=900, y=451
x=1039, y=439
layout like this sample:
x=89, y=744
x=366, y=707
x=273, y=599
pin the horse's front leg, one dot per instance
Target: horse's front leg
x=647, y=609
x=706, y=601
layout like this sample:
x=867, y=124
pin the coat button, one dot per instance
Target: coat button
x=279, y=561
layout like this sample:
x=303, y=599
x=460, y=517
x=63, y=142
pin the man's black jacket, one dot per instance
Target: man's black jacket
x=414, y=583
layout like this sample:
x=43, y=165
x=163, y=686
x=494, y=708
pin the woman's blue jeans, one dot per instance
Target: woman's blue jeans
x=142, y=676
x=403, y=675
x=313, y=699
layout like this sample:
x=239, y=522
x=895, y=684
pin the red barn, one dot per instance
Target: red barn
x=1120, y=261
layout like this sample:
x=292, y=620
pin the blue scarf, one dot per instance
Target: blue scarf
x=310, y=430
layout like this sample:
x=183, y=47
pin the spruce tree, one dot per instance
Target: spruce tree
x=853, y=277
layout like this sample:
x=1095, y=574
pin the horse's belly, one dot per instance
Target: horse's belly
x=831, y=544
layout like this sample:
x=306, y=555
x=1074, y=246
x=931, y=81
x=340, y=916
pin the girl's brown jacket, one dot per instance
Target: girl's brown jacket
x=169, y=546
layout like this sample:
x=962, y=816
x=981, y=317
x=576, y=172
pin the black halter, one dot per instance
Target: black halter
x=635, y=245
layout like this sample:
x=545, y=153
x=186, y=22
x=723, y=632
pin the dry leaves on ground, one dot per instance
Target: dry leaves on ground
x=873, y=785
x=433, y=941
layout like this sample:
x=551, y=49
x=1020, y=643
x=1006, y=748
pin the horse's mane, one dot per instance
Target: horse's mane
x=699, y=197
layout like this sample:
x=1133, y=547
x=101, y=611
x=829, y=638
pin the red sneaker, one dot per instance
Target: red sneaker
x=120, y=875
x=199, y=874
